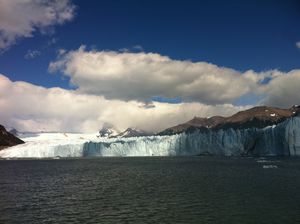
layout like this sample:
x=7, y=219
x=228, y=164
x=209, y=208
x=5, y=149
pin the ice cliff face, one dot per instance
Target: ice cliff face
x=41, y=145
x=282, y=139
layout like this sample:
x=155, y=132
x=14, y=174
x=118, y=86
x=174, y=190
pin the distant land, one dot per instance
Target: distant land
x=7, y=139
x=256, y=117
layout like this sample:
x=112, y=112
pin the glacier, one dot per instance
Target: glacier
x=282, y=139
x=45, y=145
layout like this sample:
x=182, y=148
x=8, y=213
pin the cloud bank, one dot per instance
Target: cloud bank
x=32, y=108
x=21, y=18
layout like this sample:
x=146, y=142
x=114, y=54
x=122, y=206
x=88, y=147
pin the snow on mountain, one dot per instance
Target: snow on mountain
x=108, y=130
x=132, y=132
x=259, y=117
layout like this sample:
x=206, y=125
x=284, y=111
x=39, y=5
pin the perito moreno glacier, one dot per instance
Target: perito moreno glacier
x=282, y=139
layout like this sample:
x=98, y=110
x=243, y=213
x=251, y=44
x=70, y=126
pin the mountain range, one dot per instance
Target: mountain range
x=256, y=117
x=132, y=132
x=109, y=131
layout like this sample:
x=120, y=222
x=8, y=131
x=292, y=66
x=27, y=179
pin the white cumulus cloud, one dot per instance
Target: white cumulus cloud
x=283, y=91
x=140, y=76
x=21, y=18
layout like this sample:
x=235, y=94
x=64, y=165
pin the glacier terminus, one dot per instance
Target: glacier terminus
x=282, y=139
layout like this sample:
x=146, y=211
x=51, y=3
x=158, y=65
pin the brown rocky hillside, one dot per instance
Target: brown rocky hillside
x=259, y=117
x=7, y=139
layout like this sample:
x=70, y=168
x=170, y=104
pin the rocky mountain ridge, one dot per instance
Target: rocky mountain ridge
x=7, y=139
x=256, y=117
x=132, y=132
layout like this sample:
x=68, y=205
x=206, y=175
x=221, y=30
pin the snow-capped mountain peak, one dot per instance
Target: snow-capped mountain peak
x=133, y=132
x=107, y=131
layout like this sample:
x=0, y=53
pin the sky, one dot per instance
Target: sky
x=77, y=65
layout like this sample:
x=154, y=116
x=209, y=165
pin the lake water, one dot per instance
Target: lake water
x=150, y=190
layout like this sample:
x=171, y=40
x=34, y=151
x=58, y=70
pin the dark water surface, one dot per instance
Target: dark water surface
x=150, y=190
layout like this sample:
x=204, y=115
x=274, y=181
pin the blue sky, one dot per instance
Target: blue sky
x=126, y=62
x=258, y=35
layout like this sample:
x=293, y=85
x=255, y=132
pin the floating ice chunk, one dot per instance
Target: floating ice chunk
x=262, y=161
x=267, y=161
x=270, y=166
x=272, y=115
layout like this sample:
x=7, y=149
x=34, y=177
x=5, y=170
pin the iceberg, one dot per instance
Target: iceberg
x=282, y=139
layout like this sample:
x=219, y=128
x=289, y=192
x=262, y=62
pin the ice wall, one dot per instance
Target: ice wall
x=42, y=150
x=282, y=139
